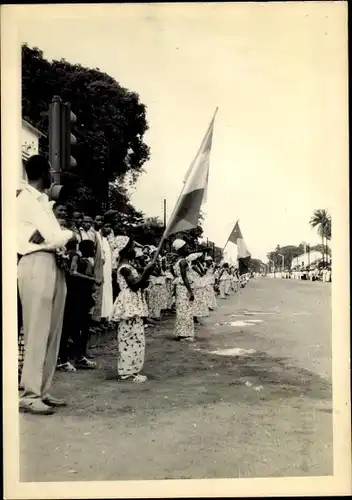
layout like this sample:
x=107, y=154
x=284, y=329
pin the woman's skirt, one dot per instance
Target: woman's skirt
x=222, y=288
x=131, y=346
x=164, y=295
x=211, y=298
x=234, y=283
x=228, y=286
x=169, y=294
x=200, y=304
x=155, y=300
x=184, y=323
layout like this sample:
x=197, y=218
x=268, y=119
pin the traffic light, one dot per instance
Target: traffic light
x=61, y=120
x=68, y=119
x=54, y=137
x=61, y=139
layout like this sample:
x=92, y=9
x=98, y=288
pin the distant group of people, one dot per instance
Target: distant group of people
x=316, y=274
x=77, y=277
x=197, y=282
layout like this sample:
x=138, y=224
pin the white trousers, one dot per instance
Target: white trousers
x=42, y=288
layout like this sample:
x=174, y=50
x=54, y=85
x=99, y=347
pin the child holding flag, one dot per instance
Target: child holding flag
x=130, y=309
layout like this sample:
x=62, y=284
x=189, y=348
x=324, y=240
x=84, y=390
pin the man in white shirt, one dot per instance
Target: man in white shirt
x=41, y=285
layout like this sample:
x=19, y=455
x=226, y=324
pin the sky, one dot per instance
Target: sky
x=275, y=71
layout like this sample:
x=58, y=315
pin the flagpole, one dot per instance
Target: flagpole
x=184, y=186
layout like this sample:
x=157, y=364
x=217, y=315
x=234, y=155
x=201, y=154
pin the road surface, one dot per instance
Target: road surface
x=251, y=398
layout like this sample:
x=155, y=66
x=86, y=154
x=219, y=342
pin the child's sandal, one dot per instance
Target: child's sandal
x=66, y=367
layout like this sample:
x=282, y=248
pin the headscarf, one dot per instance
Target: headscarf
x=177, y=244
x=121, y=242
x=194, y=256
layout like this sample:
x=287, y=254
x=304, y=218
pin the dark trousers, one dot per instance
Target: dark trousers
x=19, y=305
x=75, y=325
x=115, y=286
x=19, y=313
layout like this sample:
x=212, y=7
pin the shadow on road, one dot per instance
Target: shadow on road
x=189, y=375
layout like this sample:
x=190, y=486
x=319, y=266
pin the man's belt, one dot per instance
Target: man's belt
x=19, y=256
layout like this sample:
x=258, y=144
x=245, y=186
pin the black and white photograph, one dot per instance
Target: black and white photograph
x=178, y=205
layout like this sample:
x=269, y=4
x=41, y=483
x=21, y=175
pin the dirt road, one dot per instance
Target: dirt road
x=251, y=398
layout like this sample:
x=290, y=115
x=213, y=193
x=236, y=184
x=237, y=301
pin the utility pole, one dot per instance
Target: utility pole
x=164, y=214
x=168, y=242
x=272, y=267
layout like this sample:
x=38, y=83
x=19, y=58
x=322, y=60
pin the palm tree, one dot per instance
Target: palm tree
x=327, y=229
x=322, y=220
x=327, y=234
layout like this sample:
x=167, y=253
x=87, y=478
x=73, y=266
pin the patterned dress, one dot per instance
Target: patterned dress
x=200, y=303
x=20, y=334
x=223, y=287
x=129, y=310
x=210, y=282
x=184, y=324
x=235, y=281
x=21, y=350
x=228, y=284
x=169, y=289
x=156, y=296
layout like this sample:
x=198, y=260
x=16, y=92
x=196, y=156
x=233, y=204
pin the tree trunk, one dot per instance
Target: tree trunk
x=323, y=253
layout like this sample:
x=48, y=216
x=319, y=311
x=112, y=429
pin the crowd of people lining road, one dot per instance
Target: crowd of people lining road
x=316, y=274
x=76, y=277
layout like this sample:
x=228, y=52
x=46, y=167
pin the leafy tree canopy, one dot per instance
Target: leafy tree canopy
x=289, y=252
x=256, y=265
x=111, y=120
x=110, y=152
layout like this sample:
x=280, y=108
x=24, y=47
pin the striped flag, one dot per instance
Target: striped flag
x=237, y=238
x=186, y=213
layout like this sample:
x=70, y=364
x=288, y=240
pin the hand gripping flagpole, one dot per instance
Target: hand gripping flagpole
x=185, y=183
